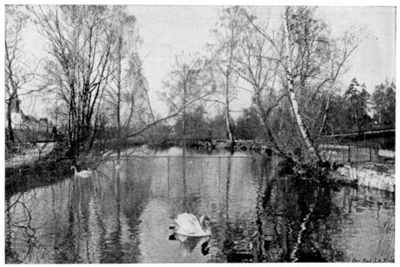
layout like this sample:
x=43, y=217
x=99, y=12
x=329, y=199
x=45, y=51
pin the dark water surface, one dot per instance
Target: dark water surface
x=123, y=215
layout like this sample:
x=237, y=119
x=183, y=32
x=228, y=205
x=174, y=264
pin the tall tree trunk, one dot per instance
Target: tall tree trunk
x=184, y=145
x=119, y=95
x=299, y=121
x=292, y=96
x=324, y=118
x=12, y=92
x=9, y=122
x=227, y=87
x=184, y=118
x=227, y=115
x=263, y=117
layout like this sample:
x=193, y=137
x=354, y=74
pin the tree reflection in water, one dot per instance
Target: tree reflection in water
x=19, y=229
x=257, y=215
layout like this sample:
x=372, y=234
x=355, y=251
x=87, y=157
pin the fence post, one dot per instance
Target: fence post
x=370, y=154
x=349, y=154
x=343, y=156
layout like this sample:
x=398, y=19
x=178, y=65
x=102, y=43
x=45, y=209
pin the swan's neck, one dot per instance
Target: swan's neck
x=202, y=223
x=74, y=169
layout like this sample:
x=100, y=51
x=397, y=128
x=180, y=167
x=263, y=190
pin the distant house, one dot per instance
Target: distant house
x=371, y=108
x=27, y=128
x=44, y=125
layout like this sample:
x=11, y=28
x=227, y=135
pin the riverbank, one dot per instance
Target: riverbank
x=36, y=174
x=374, y=175
x=44, y=170
x=49, y=164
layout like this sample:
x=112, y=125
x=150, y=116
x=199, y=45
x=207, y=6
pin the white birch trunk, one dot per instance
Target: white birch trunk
x=292, y=97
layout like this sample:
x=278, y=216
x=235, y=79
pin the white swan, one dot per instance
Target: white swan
x=187, y=224
x=82, y=174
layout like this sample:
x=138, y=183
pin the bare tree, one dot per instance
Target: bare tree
x=253, y=65
x=190, y=82
x=308, y=63
x=227, y=41
x=140, y=111
x=123, y=27
x=80, y=40
x=127, y=94
x=313, y=63
x=292, y=50
x=16, y=74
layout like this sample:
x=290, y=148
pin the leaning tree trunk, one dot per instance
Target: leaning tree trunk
x=293, y=101
x=325, y=116
x=9, y=123
x=299, y=121
x=263, y=117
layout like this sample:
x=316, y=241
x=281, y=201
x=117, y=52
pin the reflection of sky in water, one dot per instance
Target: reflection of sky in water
x=125, y=217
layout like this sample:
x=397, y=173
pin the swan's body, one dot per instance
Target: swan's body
x=82, y=174
x=187, y=224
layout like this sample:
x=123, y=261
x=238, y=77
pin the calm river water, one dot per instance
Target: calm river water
x=123, y=215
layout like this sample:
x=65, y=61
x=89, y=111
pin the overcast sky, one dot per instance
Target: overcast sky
x=170, y=30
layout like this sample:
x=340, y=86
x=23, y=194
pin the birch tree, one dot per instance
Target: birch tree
x=314, y=61
x=309, y=63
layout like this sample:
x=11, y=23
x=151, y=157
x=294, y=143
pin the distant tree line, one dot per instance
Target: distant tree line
x=358, y=110
x=353, y=110
x=95, y=74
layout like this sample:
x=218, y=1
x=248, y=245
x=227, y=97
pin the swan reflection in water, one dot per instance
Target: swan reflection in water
x=189, y=243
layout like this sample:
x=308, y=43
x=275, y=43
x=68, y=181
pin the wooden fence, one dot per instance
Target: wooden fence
x=354, y=154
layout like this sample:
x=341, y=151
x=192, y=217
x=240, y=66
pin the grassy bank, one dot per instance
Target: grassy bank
x=51, y=168
x=36, y=174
